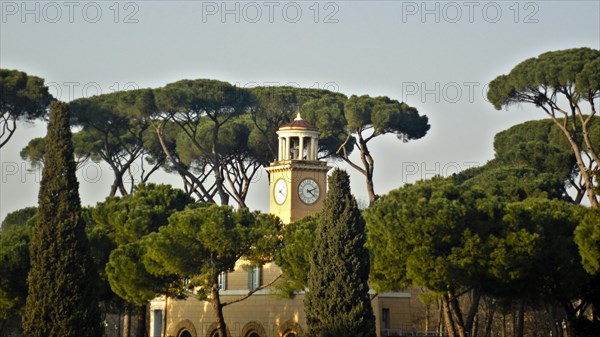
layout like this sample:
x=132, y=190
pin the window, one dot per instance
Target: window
x=290, y=334
x=157, y=317
x=253, y=334
x=254, y=277
x=385, y=318
x=185, y=333
x=222, y=281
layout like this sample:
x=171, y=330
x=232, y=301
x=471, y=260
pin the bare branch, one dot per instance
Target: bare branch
x=251, y=292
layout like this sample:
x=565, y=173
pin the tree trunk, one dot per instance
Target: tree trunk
x=127, y=321
x=473, y=310
x=448, y=317
x=475, y=328
x=427, y=317
x=164, y=330
x=457, y=316
x=585, y=173
x=590, y=190
x=219, y=180
x=514, y=321
x=571, y=314
x=190, y=181
x=113, y=188
x=140, y=317
x=440, y=326
x=520, y=324
x=490, y=318
x=218, y=307
x=117, y=184
x=369, y=166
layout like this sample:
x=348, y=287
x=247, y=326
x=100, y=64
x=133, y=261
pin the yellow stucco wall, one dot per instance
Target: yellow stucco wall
x=272, y=314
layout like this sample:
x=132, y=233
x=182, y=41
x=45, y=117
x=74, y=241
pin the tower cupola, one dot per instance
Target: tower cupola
x=298, y=140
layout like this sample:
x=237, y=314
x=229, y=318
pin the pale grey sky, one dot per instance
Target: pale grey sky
x=436, y=56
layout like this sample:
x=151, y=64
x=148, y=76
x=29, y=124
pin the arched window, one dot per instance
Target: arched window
x=290, y=328
x=185, y=333
x=253, y=329
x=184, y=328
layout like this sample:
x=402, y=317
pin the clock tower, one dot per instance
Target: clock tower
x=297, y=178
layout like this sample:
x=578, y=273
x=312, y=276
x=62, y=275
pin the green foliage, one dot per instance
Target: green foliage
x=570, y=68
x=560, y=83
x=385, y=115
x=327, y=114
x=294, y=256
x=275, y=106
x=198, y=243
x=200, y=107
x=117, y=227
x=534, y=256
x=339, y=329
x=369, y=117
x=587, y=237
x=493, y=229
x=215, y=99
x=129, y=278
x=201, y=242
x=115, y=129
x=542, y=131
x=344, y=123
x=101, y=245
x=426, y=234
x=61, y=297
x=338, y=299
x=34, y=151
x=14, y=261
x=22, y=97
x=15, y=234
x=19, y=218
x=541, y=145
x=235, y=150
x=129, y=218
x=512, y=183
x=541, y=156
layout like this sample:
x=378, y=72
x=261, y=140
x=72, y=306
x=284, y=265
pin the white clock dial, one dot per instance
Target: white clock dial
x=280, y=191
x=308, y=191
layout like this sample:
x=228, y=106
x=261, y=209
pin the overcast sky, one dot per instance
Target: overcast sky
x=436, y=56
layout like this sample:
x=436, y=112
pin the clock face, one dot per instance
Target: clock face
x=308, y=191
x=280, y=191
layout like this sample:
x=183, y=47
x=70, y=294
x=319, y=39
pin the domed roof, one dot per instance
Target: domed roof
x=298, y=123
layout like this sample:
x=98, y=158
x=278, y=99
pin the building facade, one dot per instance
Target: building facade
x=297, y=189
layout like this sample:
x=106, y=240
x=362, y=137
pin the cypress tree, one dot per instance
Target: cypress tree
x=337, y=303
x=61, y=301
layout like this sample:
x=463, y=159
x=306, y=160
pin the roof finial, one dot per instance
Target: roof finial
x=298, y=117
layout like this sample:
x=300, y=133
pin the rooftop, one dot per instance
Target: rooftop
x=298, y=123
